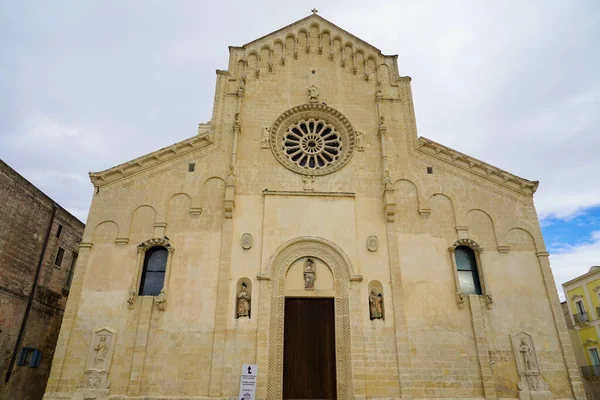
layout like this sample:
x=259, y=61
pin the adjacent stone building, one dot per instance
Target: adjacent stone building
x=307, y=229
x=38, y=253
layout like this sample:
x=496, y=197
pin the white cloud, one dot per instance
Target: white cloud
x=570, y=261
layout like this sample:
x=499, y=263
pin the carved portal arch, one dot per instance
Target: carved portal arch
x=341, y=268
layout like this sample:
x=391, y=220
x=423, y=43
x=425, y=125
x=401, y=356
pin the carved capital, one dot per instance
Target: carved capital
x=161, y=300
x=131, y=300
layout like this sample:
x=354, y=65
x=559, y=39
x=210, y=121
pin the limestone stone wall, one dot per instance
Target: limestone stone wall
x=26, y=215
x=434, y=342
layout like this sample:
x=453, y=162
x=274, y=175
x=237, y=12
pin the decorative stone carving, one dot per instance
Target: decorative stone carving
x=360, y=146
x=381, y=129
x=236, y=122
x=242, y=87
x=309, y=274
x=375, y=305
x=161, y=300
x=576, y=297
x=131, y=300
x=101, y=349
x=318, y=139
x=308, y=182
x=195, y=212
x=95, y=384
x=142, y=247
x=466, y=242
x=532, y=385
x=372, y=243
x=313, y=94
x=243, y=302
x=460, y=299
x=264, y=140
x=596, y=289
x=94, y=380
x=246, y=241
x=489, y=300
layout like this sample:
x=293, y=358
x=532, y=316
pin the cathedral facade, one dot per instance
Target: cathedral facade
x=308, y=230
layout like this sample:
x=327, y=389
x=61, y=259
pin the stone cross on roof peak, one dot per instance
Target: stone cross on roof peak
x=314, y=11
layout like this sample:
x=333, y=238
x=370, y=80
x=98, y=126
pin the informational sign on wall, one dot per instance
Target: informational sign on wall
x=248, y=381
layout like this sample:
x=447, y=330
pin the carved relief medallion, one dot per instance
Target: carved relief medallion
x=246, y=241
x=372, y=243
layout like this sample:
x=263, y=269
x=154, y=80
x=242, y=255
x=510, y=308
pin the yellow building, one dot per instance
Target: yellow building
x=309, y=230
x=583, y=304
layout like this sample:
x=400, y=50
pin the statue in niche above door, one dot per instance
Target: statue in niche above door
x=309, y=274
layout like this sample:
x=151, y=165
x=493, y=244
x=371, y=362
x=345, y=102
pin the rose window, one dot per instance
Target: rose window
x=312, y=139
x=312, y=144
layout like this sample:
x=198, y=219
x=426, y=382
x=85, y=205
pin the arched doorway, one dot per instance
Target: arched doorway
x=339, y=264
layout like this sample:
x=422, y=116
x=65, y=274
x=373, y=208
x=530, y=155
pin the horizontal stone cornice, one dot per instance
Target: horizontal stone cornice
x=477, y=167
x=151, y=160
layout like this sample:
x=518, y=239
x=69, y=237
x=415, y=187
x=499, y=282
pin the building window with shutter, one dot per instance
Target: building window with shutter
x=71, y=272
x=29, y=356
x=59, y=257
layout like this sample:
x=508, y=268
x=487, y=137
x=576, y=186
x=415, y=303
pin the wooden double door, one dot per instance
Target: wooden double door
x=309, y=349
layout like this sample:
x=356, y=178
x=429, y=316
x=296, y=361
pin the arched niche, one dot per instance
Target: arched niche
x=341, y=268
x=376, y=301
x=243, y=299
x=442, y=216
x=105, y=231
x=294, y=285
x=520, y=239
x=142, y=222
x=481, y=228
x=178, y=213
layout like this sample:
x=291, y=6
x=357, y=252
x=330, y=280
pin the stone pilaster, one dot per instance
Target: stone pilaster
x=561, y=328
x=402, y=345
x=221, y=312
x=54, y=381
x=141, y=345
x=483, y=352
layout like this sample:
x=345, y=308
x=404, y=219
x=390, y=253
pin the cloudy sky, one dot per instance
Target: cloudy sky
x=86, y=85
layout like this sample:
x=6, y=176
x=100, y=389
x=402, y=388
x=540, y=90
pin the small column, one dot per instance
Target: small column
x=389, y=195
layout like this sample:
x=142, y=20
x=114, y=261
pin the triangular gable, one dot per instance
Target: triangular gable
x=309, y=20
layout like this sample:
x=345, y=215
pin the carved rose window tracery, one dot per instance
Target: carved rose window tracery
x=312, y=144
x=312, y=139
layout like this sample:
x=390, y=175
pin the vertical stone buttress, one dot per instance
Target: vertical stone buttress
x=221, y=311
x=561, y=329
x=55, y=382
x=481, y=344
x=389, y=207
x=140, y=347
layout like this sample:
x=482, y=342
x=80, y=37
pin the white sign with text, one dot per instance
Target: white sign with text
x=248, y=381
